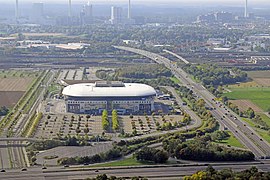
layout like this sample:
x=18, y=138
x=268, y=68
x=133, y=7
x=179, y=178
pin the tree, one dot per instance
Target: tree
x=115, y=122
x=3, y=111
x=105, y=120
x=219, y=135
x=151, y=154
x=250, y=113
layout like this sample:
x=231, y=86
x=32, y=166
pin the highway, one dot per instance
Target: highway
x=244, y=133
x=176, y=55
x=151, y=172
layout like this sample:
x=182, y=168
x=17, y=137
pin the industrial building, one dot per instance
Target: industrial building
x=93, y=98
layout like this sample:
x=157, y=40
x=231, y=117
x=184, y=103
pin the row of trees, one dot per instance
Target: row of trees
x=106, y=123
x=97, y=158
x=213, y=75
x=203, y=149
x=147, y=71
x=66, y=141
x=211, y=174
x=152, y=155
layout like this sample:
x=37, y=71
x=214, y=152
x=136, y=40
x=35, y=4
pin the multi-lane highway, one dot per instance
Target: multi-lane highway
x=244, y=133
x=151, y=172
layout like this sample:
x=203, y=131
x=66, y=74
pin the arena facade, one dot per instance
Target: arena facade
x=93, y=98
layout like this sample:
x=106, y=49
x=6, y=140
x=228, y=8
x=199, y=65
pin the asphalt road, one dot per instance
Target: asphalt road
x=4, y=154
x=242, y=131
x=164, y=172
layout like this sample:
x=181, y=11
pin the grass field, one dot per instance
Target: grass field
x=125, y=162
x=261, y=132
x=259, y=96
x=265, y=118
x=175, y=80
x=232, y=141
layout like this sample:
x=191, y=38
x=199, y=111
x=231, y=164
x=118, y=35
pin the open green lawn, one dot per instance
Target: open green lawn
x=265, y=118
x=125, y=162
x=261, y=132
x=175, y=80
x=53, y=88
x=259, y=96
x=232, y=141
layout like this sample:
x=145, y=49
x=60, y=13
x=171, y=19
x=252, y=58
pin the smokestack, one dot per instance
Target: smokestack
x=246, y=9
x=69, y=8
x=17, y=10
x=129, y=10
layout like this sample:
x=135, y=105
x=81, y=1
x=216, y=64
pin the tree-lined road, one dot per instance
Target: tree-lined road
x=242, y=131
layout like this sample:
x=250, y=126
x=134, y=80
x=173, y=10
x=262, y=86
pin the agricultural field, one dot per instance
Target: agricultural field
x=10, y=98
x=55, y=126
x=13, y=84
x=262, y=78
x=243, y=105
x=249, y=84
x=259, y=96
x=258, y=74
x=254, y=94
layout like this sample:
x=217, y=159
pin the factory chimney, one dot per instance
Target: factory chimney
x=129, y=10
x=69, y=8
x=17, y=10
x=246, y=9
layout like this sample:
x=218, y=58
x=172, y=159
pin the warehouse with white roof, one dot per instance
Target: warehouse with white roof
x=93, y=98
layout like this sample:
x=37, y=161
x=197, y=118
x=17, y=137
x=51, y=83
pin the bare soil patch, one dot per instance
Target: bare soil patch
x=248, y=84
x=14, y=84
x=10, y=98
x=243, y=105
x=263, y=81
x=258, y=74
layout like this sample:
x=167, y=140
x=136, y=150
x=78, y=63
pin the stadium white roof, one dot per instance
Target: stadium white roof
x=91, y=90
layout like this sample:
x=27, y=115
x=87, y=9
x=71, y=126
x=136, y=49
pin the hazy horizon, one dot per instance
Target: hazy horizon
x=165, y=2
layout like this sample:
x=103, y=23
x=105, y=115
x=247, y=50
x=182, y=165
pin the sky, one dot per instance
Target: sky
x=226, y=2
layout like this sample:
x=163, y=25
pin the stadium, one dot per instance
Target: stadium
x=93, y=98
